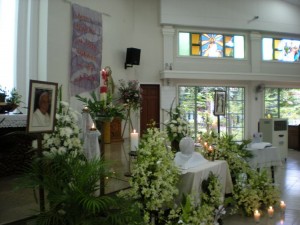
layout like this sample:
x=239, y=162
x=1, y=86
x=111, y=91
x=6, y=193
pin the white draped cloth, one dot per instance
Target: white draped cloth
x=13, y=120
x=191, y=179
x=91, y=145
x=265, y=157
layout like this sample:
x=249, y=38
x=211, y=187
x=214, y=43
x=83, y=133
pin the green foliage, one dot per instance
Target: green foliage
x=99, y=108
x=252, y=189
x=154, y=175
x=71, y=184
x=204, y=209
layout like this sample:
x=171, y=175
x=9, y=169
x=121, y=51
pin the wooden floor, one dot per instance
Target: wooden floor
x=15, y=205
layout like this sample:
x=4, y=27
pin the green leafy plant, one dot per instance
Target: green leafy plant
x=154, y=176
x=14, y=97
x=252, y=189
x=70, y=181
x=204, y=209
x=100, y=108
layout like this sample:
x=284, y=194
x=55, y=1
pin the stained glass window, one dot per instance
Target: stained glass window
x=211, y=45
x=285, y=50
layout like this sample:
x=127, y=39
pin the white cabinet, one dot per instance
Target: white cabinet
x=275, y=131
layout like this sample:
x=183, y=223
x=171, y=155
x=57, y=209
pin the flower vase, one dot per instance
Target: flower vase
x=175, y=146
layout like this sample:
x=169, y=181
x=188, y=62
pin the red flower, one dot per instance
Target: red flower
x=103, y=89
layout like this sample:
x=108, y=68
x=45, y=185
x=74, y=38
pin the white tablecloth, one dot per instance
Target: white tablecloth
x=91, y=145
x=13, y=120
x=191, y=179
x=263, y=158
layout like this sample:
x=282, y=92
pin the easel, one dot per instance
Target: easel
x=41, y=188
x=128, y=118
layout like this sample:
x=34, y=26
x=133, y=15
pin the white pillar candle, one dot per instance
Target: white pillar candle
x=93, y=128
x=256, y=216
x=282, y=205
x=270, y=211
x=134, y=140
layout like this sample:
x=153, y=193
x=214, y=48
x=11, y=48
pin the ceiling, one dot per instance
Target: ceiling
x=296, y=2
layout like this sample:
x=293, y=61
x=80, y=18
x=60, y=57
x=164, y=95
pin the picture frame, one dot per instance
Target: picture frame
x=220, y=103
x=42, y=106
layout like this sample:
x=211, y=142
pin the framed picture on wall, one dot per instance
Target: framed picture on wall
x=220, y=103
x=42, y=106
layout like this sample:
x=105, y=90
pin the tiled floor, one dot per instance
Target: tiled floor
x=17, y=205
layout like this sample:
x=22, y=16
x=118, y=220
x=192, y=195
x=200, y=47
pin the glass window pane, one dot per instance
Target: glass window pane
x=184, y=43
x=8, y=23
x=198, y=102
x=239, y=47
x=267, y=48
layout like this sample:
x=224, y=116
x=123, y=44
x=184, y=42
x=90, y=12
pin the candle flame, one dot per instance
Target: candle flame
x=133, y=130
x=93, y=125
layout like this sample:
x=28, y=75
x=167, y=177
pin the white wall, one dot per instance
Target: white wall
x=274, y=15
x=138, y=23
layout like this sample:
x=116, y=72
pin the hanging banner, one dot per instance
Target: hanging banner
x=86, y=55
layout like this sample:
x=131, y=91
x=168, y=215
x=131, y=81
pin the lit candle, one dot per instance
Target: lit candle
x=134, y=140
x=93, y=128
x=256, y=216
x=85, y=109
x=282, y=205
x=270, y=211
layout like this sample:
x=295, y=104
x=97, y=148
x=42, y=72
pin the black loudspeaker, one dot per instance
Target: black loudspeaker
x=132, y=57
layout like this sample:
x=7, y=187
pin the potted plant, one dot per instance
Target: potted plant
x=9, y=100
x=2, y=94
x=14, y=97
x=102, y=112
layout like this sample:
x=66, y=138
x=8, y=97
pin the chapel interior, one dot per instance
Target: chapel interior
x=165, y=46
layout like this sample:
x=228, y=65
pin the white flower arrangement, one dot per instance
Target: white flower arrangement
x=65, y=138
x=154, y=175
x=205, y=209
x=177, y=126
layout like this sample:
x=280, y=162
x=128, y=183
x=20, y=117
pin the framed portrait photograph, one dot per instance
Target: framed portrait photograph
x=220, y=103
x=42, y=106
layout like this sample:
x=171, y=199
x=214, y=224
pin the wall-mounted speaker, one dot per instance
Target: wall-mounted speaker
x=132, y=57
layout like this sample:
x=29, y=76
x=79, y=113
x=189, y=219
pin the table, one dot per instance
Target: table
x=13, y=120
x=191, y=179
x=15, y=144
x=263, y=158
x=269, y=157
